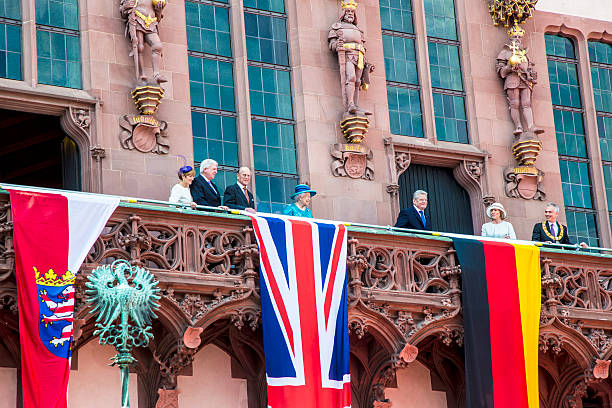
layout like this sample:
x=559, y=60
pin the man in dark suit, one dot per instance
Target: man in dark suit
x=203, y=190
x=414, y=217
x=551, y=230
x=238, y=196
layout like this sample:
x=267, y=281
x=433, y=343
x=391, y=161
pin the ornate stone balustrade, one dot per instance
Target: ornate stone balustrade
x=404, y=294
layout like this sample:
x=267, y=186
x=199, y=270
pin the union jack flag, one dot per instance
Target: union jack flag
x=304, y=311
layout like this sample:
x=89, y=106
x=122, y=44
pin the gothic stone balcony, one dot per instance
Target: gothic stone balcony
x=404, y=294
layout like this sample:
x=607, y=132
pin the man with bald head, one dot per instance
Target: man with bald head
x=238, y=196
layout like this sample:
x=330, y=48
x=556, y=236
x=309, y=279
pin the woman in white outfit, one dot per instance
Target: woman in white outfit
x=180, y=193
x=497, y=228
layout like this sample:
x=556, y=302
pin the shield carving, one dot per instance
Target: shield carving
x=355, y=164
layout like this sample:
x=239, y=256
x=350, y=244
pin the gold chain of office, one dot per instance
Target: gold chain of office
x=551, y=236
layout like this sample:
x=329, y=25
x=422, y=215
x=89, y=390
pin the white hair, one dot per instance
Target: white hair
x=554, y=206
x=207, y=163
x=419, y=193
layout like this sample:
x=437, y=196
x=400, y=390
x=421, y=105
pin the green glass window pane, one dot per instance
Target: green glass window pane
x=59, y=59
x=602, y=88
x=400, y=59
x=404, y=111
x=273, y=192
x=451, y=122
x=607, y=171
x=564, y=87
x=582, y=227
x=214, y=137
x=10, y=9
x=266, y=39
x=269, y=5
x=396, y=15
x=274, y=147
x=570, y=133
x=440, y=19
x=211, y=83
x=604, y=128
x=274, y=100
x=576, y=183
x=10, y=51
x=559, y=46
x=208, y=29
x=600, y=52
x=58, y=13
x=444, y=66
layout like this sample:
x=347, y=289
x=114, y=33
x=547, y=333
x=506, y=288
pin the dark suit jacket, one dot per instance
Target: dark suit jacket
x=540, y=236
x=410, y=218
x=202, y=194
x=234, y=197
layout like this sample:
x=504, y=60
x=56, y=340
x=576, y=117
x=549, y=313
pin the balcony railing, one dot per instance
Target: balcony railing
x=404, y=289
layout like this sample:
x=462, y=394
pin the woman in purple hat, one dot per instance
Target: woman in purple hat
x=302, y=197
x=180, y=193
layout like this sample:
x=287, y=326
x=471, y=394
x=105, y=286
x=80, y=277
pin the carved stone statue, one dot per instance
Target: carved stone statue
x=348, y=41
x=143, y=17
x=519, y=76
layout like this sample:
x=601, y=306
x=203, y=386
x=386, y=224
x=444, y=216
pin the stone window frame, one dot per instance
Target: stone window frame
x=580, y=38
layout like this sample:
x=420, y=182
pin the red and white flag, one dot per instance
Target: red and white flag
x=52, y=233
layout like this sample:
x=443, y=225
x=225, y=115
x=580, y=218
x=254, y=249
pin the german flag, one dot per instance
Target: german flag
x=501, y=313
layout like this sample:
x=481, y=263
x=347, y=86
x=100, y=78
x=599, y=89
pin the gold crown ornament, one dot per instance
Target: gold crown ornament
x=348, y=4
x=50, y=278
x=516, y=30
x=159, y=3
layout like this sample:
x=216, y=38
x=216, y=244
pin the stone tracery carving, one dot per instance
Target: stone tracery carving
x=576, y=289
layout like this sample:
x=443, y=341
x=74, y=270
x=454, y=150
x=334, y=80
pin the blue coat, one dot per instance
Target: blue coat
x=202, y=194
x=410, y=218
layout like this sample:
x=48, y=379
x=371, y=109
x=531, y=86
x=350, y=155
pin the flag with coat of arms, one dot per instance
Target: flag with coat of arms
x=52, y=234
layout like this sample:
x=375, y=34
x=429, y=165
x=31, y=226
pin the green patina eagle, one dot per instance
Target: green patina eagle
x=127, y=294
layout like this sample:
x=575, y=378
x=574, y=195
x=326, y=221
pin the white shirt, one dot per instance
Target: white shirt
x=500, y=230
x=180, y=194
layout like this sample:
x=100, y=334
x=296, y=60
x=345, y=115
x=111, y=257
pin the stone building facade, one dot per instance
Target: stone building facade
x=253, y=83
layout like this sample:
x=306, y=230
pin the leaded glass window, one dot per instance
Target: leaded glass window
x=10, y=39
x=440, y=19
x=211, y=82
x=271, y=103
x=600, y=55
x=214, y=137
x=570, y=133
x=58, y=43
x=274, y=147
x=451, y=121
x=445, y=71
x=400, y=59
x=208, y=29
x=403, y=94
x=574, y=160
x=268, y=5
x=266, y=39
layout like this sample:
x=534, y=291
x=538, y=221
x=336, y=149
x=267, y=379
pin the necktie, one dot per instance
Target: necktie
x=553, y=230
x=246, y=193
x=422, y=213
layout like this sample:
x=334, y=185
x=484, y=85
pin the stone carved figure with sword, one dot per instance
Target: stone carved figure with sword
x=143, y=17
x=348, y=41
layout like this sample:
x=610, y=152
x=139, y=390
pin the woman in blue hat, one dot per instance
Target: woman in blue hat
x=302, y=197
